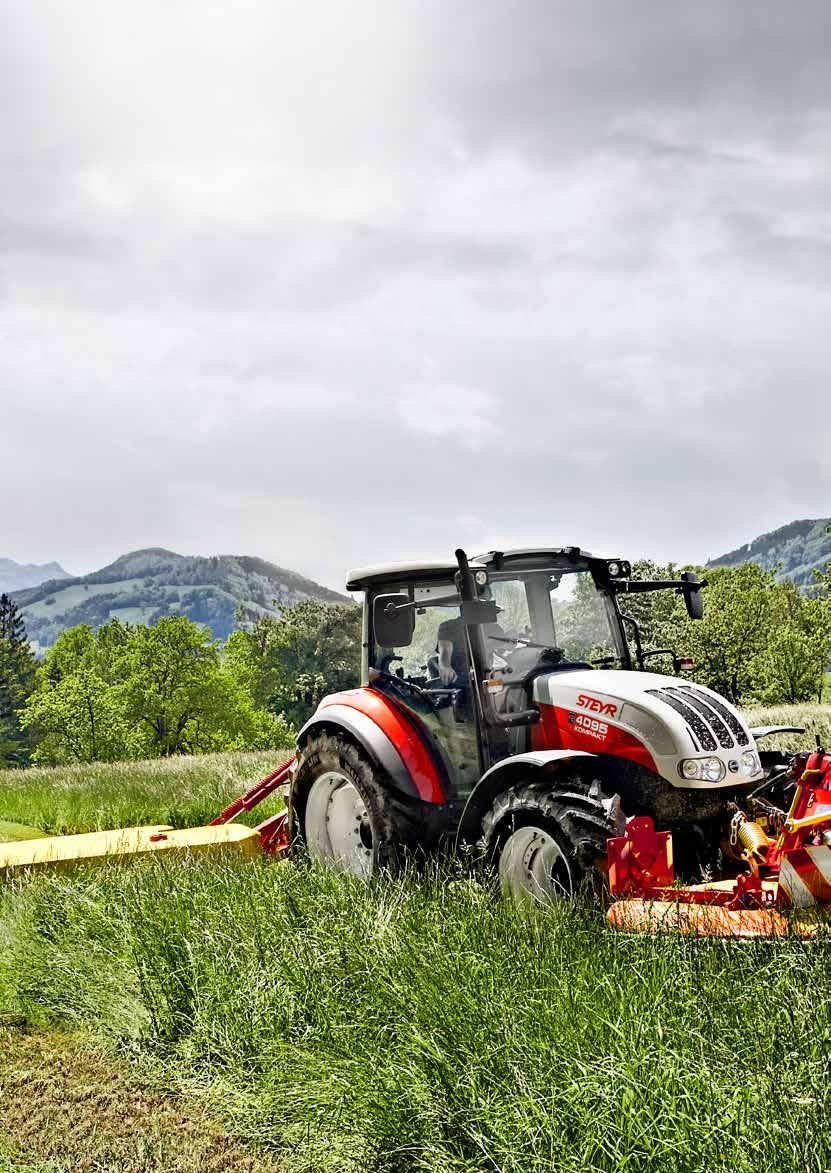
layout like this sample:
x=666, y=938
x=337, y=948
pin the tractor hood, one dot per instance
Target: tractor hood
x=657, y=721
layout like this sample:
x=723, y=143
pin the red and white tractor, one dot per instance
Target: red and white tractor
x=503, y=714
x=502, y=711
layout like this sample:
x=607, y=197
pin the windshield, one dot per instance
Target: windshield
x=558, y=612
x=552, y=616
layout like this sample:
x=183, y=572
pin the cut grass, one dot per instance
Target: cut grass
x=14, y=832
x=68, y=1108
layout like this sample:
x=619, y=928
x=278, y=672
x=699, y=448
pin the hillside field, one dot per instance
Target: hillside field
x=414, y=1025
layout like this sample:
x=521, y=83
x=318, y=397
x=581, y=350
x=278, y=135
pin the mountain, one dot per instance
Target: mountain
x=145, y=585
x=801, y=547
x=17, y=576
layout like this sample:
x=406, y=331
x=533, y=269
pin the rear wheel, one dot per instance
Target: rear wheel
x=345, y=812
x=547, y=840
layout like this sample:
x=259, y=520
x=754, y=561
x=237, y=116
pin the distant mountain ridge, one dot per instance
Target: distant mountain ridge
x=801, y=547
x=145, y=585
x=18, y=576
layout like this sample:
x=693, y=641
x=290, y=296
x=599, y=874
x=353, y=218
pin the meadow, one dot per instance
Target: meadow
x=416, y=1024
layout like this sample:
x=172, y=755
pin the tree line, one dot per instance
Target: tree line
x=128, y=691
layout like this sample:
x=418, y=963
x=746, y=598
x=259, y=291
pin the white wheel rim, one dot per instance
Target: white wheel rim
x=527, y=867
x=337, y=824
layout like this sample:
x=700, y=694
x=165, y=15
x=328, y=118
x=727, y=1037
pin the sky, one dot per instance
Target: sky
x=343, y=283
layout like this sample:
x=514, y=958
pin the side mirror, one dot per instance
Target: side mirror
x=393, y=621
x=691, y=591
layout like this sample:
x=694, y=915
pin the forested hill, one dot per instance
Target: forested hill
x=143, y=586
x=801, y=547
x=18, y=576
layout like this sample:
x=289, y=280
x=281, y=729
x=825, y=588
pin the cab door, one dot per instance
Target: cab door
x=409, y=675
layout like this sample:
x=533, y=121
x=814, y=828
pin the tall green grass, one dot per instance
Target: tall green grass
x=416, y=1024
x=814, y=719
x=182, y=791
x=424, y=1025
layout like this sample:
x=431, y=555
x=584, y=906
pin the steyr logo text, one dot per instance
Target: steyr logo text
x=596, y=706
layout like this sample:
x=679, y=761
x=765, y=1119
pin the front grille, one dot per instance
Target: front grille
x=709, y=720
x=724, y=711
x=709, y=714
x=697, y=727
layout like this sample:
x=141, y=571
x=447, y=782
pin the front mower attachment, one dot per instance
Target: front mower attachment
x=782, y=893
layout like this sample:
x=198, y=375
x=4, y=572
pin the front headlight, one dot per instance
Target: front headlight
x=750, y=762
x=702, y=769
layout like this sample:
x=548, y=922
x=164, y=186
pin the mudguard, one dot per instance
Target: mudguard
x=388, y=736
x=759, y=731
x=520, y=767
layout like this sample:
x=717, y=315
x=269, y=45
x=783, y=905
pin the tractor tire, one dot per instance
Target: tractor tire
x=547, y=840
x=344, y=811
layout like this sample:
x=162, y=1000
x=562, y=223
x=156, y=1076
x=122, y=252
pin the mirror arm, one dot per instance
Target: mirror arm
x=639, y=586
x=393, y=608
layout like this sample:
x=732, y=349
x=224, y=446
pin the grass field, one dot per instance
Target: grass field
x=412, y=1025
x=179, y=792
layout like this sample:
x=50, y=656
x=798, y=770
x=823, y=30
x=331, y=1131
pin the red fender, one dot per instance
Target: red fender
x=386, y=729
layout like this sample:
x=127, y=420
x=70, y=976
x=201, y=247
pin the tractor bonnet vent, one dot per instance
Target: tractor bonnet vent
x=724, y=711
x=710, y=721
x=701, y=733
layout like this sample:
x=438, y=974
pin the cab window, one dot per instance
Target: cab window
x=418, y=662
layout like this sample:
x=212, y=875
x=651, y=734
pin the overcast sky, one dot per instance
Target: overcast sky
x=336, y=283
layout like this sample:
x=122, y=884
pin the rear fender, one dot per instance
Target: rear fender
x=522, y=767
x=386, y=734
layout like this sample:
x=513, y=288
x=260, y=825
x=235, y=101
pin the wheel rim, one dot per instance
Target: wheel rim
x=533, y=868
x=338, y=827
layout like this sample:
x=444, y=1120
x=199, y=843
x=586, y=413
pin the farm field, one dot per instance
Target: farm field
x=326, y=1024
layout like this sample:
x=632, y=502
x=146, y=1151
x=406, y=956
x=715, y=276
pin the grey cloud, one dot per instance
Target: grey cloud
x=332, y=285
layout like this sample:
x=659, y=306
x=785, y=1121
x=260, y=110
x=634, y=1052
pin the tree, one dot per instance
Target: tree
x=289, y=663
x=741, y=613
x=17, y=674
x=77, y=719
x=136, y=692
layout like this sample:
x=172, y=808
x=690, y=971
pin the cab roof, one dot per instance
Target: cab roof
x=385, y=572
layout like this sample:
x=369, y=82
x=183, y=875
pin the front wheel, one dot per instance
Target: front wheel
x=547, y=840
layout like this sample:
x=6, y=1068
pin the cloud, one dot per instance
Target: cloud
x=457, y=417
x=336, y=285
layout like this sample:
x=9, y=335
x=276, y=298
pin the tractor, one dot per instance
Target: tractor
x=504, y=715
x=507, y=711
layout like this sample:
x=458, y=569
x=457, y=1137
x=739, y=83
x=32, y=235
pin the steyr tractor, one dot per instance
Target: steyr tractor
x=503, y=712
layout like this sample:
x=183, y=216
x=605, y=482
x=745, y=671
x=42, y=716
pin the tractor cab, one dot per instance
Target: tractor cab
x=459, y=644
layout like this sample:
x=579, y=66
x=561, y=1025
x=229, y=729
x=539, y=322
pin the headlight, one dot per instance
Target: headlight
x=750, y=762
x=702, y=769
